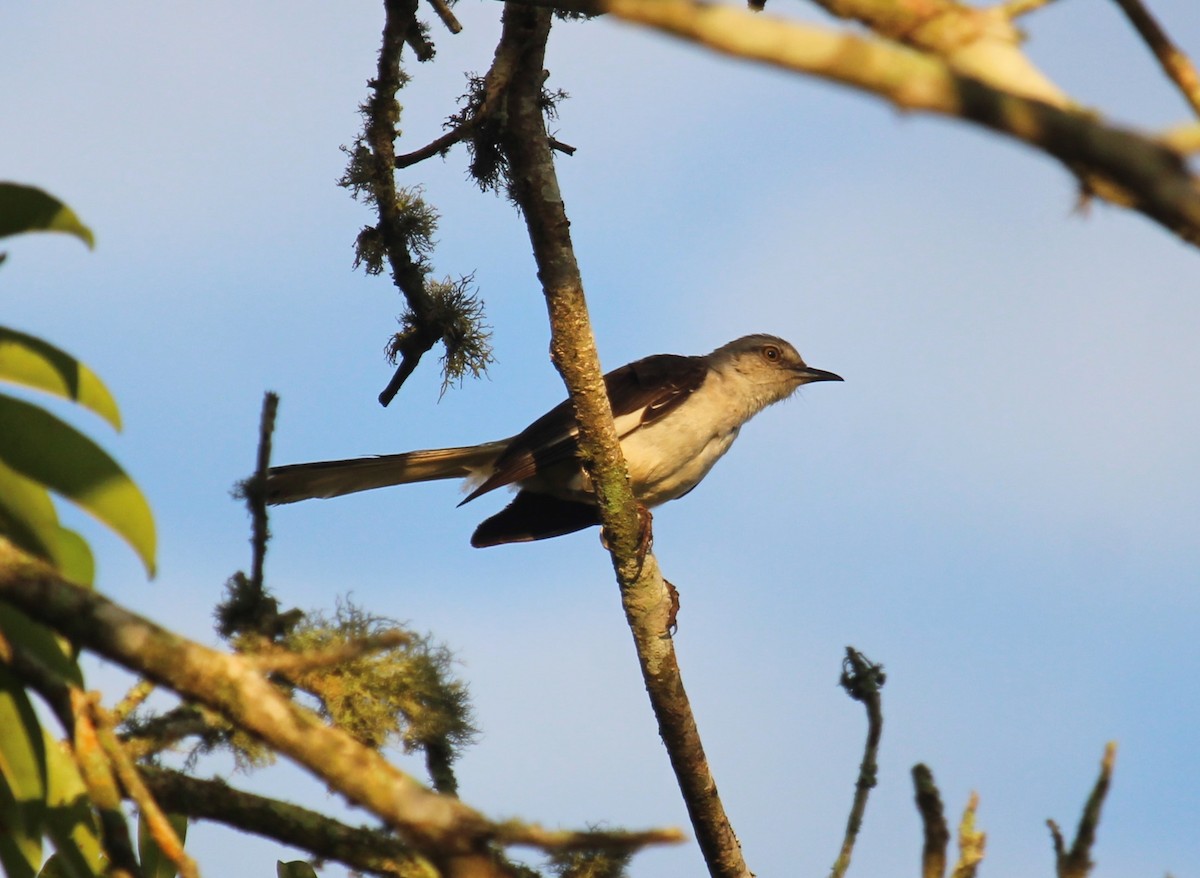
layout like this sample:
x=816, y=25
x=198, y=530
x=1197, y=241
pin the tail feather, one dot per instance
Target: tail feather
x=333, y=478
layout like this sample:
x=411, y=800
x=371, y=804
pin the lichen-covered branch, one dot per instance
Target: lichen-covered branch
x=455, y=838
x=1121, y=166
x=403, y=235
x=533, y=185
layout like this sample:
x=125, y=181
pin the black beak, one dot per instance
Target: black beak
x=808, y=375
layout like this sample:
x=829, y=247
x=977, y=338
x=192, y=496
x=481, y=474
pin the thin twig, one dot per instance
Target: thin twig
x=534, y=187
x=95, y=770
x=1172, y=59
x=442, y=8
x=933, y=819
x=160, y=827
x=862, y=681
x=1076, y=862
x=592, y=840
x=134, y=698
x=439, y=146
x=256, y=500
x=1017, y=8
x=971, y=842
x=369, y=850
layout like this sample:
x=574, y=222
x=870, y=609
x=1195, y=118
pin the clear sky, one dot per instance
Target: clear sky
x=1000, y=503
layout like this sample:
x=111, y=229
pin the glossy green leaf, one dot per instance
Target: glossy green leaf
x=294, y=869
x=43, y=448
x=156, y=864
x=22, y=780
x=34, y=363
x=70, y=820
x=40, y=642
x=29, y=519
x=29, y=209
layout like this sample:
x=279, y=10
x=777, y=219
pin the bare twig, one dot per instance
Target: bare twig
x=95, y=770
x=534, y=187
x=862, y=681
x=1127, y=168
x=1017, y=8
x=368, y=850
x=256, y=499
x=442, y=8
x=160, y=827
x=573, y=840
x=1076, y=862
x=971, y=842
x=437, y=147
x=1172, y=59
x=933, y=819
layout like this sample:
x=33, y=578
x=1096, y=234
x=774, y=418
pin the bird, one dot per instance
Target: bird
x=675, y=416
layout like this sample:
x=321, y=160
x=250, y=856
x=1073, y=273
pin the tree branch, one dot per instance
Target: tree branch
x=382, y=112
x=1076, y=862
x=1173, y=61
x=933, y=819
x=453, y=836
x=441, y=828
x=360, y=848
x=862, y=681
x=971, y=842
x=534, y=187
x=1124, y=167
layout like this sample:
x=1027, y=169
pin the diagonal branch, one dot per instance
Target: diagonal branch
x=1172, y=59
x=360, y=848
x=453, y=836
x=534, y=187
x=1124, y=167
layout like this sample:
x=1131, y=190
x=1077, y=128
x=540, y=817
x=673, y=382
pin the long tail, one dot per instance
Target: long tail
x=332, y=478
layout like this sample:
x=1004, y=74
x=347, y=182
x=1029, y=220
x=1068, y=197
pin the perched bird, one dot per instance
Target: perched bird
x=675, y=417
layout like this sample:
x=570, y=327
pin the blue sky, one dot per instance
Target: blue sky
x=1000, y=503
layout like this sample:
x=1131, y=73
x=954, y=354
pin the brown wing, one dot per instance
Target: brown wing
x=653, y=386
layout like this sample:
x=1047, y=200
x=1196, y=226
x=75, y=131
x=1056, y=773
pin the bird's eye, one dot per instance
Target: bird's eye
x=771, y=353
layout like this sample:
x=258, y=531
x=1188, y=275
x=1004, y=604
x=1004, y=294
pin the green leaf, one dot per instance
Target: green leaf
x=43, y=448
x=155, y=864
x=34, y=363
x=40, y=642
x=22, y=780
x=70, y=820
x=29, y=519
x=28, y=209
x=294, y=869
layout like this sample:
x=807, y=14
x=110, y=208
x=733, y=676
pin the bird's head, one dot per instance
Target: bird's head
x=771, y=364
